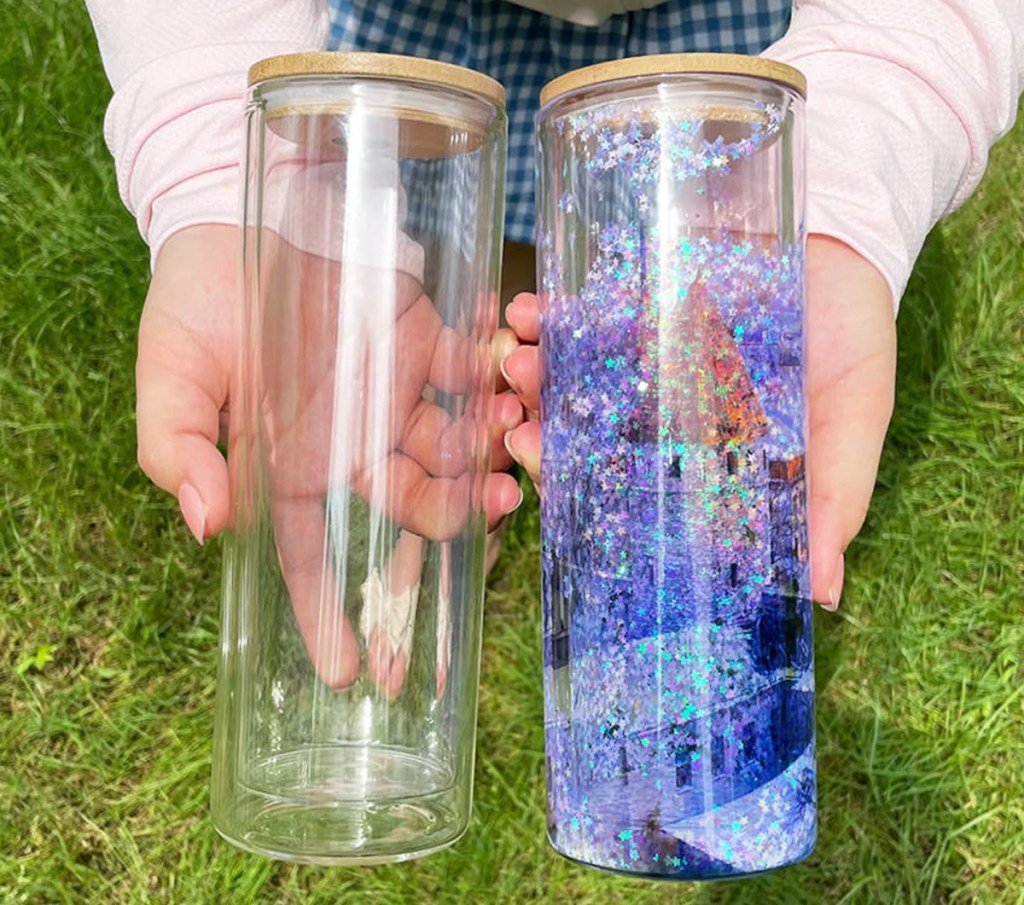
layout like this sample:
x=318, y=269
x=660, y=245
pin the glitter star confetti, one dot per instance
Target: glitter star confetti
x=678, y=659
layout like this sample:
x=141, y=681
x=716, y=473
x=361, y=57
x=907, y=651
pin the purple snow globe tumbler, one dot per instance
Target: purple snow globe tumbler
x=678, y=657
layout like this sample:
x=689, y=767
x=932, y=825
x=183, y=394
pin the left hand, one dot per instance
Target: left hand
x=851, y=367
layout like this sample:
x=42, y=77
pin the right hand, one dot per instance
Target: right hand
x=188, y=342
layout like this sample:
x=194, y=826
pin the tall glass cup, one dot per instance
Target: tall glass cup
x=360, y=439
x=678, y=665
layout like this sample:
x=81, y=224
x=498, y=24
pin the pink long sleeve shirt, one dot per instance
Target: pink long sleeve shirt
x=904, y=100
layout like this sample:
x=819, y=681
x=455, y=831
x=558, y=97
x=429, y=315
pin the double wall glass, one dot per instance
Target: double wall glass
x=678, y=664
x=359, y=451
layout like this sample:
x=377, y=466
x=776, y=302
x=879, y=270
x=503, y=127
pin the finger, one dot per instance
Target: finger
x=523, y=444
x=452, y=362
x=451, y=356
x=436, y=508
x=506, y=415
x=502, y=497
x=436, y=441
x=442, y=445
x=851, y=358
x=847, y=435
x=522, y=371
x=523, y=316
x=181, y=389
x=391, y=614
x=300, y=529
x=502, y=345
x=387, y=666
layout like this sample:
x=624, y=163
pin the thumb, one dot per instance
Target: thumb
x=851, y=357
x=181, y=377
x=178, y=422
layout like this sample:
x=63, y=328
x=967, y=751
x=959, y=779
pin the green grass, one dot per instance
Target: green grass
x=108, y=611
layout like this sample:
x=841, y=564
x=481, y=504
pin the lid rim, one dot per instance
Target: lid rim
x=669, y=64
x=378, y=66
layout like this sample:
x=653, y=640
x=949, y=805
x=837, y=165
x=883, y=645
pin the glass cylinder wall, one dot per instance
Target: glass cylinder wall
x=678, y=664
x=360, y=444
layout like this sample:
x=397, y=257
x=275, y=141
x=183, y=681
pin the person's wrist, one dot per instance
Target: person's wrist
x=209, y=198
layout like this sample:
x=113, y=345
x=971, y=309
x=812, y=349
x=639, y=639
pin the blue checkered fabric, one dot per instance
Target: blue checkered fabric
x=524, y=49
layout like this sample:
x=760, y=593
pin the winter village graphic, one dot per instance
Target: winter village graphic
x=678, y=657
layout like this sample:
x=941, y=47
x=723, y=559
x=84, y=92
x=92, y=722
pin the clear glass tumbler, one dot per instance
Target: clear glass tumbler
x=678, y=663
x=360, y=445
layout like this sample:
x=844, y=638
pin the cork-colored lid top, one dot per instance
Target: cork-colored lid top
x=379, y=66
x=675, y=64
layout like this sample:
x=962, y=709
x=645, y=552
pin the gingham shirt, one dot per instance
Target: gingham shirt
x=524, y=49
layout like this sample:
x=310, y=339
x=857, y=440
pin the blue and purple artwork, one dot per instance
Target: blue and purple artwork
x=678, y=660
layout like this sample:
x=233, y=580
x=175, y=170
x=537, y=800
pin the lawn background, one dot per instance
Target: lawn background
x=109, y=612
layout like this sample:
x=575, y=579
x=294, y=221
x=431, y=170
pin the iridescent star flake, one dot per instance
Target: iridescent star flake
x=643, y=147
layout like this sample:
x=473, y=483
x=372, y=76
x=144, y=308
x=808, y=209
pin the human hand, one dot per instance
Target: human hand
x=851, y=363
x=188, y=341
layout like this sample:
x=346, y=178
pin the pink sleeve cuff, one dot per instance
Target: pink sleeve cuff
x=178, y=142
x=175, y=124
x=904, y=100
x=175, y=130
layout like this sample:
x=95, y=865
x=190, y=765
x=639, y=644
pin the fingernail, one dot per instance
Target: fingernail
x=504, y=344
x=194, y=510
x=512, y=415
x=504, y=373
x=508, y=445
x=519, y=501
x=835, y=590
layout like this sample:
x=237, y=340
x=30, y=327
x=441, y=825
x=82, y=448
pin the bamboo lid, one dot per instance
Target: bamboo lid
x=675, y=64
x=379, y=66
